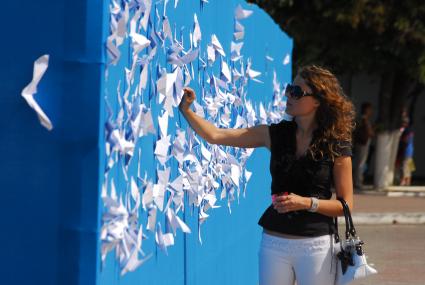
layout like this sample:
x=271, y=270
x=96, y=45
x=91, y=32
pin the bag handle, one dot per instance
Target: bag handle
x=350, y=230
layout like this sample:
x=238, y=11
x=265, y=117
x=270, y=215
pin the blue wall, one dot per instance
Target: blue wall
x=228, y=254
x=51, y=180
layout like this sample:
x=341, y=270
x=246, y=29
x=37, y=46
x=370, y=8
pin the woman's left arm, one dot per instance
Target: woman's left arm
x=343, y=181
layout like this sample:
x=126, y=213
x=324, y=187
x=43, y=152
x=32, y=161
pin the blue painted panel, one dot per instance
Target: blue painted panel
x=49, y=180
x=228, y=254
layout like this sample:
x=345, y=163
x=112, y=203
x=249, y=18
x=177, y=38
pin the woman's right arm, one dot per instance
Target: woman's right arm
x=251, y=137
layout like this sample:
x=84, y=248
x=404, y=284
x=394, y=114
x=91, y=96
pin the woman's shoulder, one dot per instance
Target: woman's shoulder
x=343, y=148
x=280, y=131
x=282, y=125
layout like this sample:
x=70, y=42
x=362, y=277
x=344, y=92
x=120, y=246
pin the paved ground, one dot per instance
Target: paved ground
x=397, y=252
x=393, y=228
x=392, y=224
x=381, y=203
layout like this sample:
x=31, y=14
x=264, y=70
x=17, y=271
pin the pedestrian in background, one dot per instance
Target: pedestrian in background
x=404, y=162
x=362, y=137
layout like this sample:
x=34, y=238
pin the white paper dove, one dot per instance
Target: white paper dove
x=40, y=67
x=240, y=13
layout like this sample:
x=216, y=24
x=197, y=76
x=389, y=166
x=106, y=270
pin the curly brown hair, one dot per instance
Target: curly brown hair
x=335, y=116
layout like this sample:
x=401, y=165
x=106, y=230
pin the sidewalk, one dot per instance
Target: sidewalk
x=392, y=224
x=400, y=206
x=396, y=251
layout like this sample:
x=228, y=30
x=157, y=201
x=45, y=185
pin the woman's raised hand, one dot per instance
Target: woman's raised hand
x=188, y=97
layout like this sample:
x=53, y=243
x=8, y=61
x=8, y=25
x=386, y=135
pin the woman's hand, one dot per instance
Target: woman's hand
x=291, y=202
x=188, y=97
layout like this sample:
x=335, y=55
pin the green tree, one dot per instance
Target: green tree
x=381, y=37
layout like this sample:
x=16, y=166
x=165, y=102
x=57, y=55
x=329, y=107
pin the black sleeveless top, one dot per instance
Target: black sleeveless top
x=303, y=176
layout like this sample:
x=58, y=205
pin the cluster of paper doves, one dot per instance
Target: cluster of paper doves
x=203, y=169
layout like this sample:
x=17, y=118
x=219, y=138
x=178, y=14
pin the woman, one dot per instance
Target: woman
x=308, y=155
x=362, y=137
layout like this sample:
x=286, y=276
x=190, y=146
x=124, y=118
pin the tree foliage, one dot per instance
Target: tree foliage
x=385, y=37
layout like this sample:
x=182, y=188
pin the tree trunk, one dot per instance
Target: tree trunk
x=392, y=97
x=386, y=152
x=413, y=97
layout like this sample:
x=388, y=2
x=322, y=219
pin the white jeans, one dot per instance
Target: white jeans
x=309, y=261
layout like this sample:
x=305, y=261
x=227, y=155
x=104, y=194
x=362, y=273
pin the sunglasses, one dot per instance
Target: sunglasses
x=295, y=92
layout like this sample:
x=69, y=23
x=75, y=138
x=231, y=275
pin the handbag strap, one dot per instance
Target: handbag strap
x=336, y=235
x=350, y=230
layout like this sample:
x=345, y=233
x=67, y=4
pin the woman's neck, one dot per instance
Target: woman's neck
x=306, y=125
